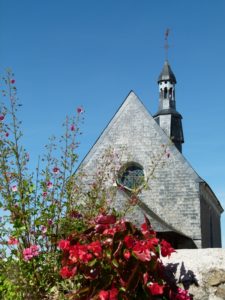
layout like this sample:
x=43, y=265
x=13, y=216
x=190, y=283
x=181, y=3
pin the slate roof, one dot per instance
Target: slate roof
x=167, y=73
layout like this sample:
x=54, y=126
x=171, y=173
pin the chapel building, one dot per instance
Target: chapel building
x=181, y=206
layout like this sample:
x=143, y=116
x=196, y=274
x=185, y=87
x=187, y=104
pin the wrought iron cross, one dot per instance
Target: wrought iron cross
x=166, y=45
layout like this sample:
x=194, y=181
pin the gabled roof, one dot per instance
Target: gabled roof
x=133, y=126
x=144, y=117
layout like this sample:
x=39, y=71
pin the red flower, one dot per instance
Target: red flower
x=13, y=241
x=109, y=295
x=6, y=134
x=83, y=254
x=145, y=229
x=95, y=248
x=103, y=295
x=166, y=248
x=156, y=289
x=126, y=254
x=2, y=117
x=142, y=252
x=105, y=219
x=113, y=294
x=12, y=81
x=153, y=242
x=65, y=272
x=110, y=231
x=129, y=241
x=80, y=252
x=74, y=255
x=64, y=244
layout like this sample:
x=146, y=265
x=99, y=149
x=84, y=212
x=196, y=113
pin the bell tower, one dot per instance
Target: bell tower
x=167, y=117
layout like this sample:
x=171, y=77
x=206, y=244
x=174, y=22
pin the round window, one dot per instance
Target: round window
x=131, y=176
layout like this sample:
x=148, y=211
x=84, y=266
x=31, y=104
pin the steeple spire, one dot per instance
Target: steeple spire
x=167, y=117
x=167, y=74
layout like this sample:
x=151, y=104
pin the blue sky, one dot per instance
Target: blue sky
x=92, y=53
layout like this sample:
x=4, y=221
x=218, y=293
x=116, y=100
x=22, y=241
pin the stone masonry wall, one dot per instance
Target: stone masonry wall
x=201, y=271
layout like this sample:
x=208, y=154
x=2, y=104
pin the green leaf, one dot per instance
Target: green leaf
x=108, y=253
x=115, y=263
x=92, y=263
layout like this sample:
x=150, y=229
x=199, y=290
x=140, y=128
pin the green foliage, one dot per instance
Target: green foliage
x=37, y=210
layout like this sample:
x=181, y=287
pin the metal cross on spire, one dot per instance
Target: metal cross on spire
x=166, y=45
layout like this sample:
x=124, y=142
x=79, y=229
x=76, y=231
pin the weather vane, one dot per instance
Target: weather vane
x=166, y=45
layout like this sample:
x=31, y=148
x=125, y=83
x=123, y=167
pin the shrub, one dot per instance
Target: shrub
x=115, y=260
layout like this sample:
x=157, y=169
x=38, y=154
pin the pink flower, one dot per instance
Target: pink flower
x=72, y=128
x=6, y=134
x=2, y=117
x=49, y=185
x=50, y=222
x=14, y=188
x=80, y=110
x=12, y=81
x=12, y=241
x=65, y=272
x=180, y=294
x=44, y=194
x=29, y=253
x=55, y=170
x=43, y=229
